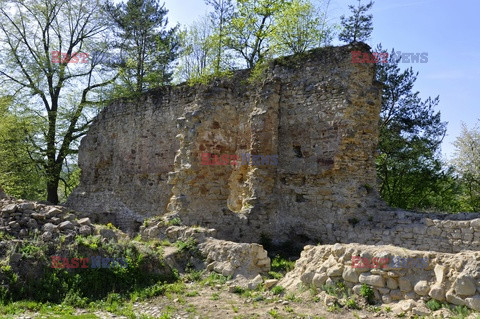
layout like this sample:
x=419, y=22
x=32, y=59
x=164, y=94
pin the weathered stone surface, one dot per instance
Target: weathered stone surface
x=319, y=280
x=66, y=225
x=465, y=286
x=26, y=206
x=53, y=212
x=415, y=284
x=349, y=274
x=405, y=285
x=85, y=230
x=269, y=283
x=473, y=302
x=84, y=221
x=8, y=209
x=373, y=280
x=439, y=273
x=421, y=288
x=454, y=299
x=144, y=158
x=234, y=259
x=257, y=281
x=392, y=283
x=437, y=292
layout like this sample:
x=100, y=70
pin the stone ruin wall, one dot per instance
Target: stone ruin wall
x=319, y=113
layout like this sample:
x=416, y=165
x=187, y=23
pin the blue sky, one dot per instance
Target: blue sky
x=447, y=30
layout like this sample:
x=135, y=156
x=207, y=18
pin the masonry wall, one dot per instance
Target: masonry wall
x=318, y=113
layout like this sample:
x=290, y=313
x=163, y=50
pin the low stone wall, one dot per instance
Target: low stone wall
x=450, y=233
x=454, y=278
x=25, y=219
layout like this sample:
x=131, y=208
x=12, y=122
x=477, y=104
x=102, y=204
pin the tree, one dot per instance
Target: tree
x=467, y=165
x=411, y=172
x=357, y=27
x=145, y=44
x=298, y=28
x=251, y=28
x=219, y=17
x=198, y=56
x=61, y=94
x=19, y=175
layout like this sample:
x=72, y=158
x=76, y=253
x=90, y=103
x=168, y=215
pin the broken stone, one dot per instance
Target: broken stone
x=437, y=292
x=66, y=225
x=8, y=209
x=319, y=280
x=454, y=299
x=53, y=212
x=84, y=221
x=473, y=302
x=26, y=206
x=372, y=280
x=464, y=286
x=404, y=284
x=350, y=275
x=49, y=227
x=270, y=283
x=85, y=230
x=257, y=281
x=421, y=288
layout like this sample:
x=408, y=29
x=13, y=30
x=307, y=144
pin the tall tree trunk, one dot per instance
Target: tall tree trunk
x=52, y=189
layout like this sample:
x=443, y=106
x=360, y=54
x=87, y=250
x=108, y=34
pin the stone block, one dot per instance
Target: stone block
x=373, y=280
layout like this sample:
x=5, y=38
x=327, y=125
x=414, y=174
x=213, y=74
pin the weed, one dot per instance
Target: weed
x=193, y=276
x=188, y=245
x=215, y=279
x=334, y=308
x=235, y=308
x=374, y=309
x=367, y=293
x=215, y=296
x=433, y=305
x=278, y=290
x=275, y=275
x=291, y=297
x=460, y=312
x=351, y=304
x=274, y=314
x=175, y=222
